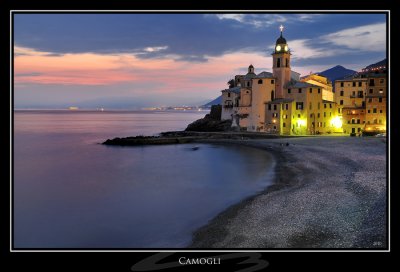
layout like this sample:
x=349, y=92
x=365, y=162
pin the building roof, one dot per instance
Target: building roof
x=280, y=100
x=265, y=75
x=249, y=76
x=233, y=90
x=299, y=84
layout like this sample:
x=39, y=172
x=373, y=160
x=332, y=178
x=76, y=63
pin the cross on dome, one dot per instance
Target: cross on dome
x=281, y=28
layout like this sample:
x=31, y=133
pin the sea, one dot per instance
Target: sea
x=72, y=192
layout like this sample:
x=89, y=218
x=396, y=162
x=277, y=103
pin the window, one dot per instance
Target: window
x=299, y=90
x=341, y=93
x=380, y=121
x=248, y=84
x=318, y=115
x=359, y=84
x=272, y=95
x=299, y=105
x=371, y=82
x=310, y=115
x=298, y=115
x=269, y=106
x=369, y=111
x=374, y=110
x=275, y=114
x=371, y=90
x=275, y=107
x=310, y=90
x=354, y=93
x=287, y=106
x=330, y=113
x=260, y=81
x=319, y=105
x=284, y=124
x=341, y=84
x=369, y=100
x=354, y=84
x=278, y=62
x=272, y=81
x=360, y=94
x=330, y=106
x=338, y=110
x=274, y=127
x=319, y=90
x=381, y=81
x=289, y=91
x=348, y=122
x=287, y=62
x=310, y=106
x=324, y=114
x=380, y=111
x=341, y=102
x=380, y=99
x=324, y=106
x=381, y=91
x=229, y=94
x=353, y=121
x=358, y=121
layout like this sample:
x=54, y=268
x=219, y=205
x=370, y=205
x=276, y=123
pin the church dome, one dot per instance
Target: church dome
x=281, y=40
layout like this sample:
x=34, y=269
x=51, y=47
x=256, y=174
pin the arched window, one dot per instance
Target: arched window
x=278, y=62
x=260, y=81
x=272, y=95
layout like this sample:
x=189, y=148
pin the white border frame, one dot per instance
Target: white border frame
x=201, y=11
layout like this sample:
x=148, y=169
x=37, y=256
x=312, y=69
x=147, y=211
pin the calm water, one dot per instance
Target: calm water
x=71, y=192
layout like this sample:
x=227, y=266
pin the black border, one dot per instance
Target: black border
x=122, y=261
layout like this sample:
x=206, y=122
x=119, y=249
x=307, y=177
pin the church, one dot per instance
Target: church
x=281, y=102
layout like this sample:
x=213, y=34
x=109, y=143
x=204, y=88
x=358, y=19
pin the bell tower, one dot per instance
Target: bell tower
x=281, y=64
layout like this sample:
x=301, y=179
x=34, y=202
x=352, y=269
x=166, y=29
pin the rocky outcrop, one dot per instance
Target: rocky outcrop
x=211, y=122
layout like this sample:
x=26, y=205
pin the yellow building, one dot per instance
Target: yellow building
x=282, y=103
x=361, y=101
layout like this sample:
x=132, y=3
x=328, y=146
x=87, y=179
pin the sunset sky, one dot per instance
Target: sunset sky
x=138, y=60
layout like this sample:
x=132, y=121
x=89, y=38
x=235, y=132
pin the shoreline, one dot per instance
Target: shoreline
x=311, y=204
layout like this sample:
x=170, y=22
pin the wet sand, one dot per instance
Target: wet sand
x=329, y=192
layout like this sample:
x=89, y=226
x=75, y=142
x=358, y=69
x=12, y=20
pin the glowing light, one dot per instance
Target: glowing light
x=336, y=122
x=301, y=122
x=274, y=121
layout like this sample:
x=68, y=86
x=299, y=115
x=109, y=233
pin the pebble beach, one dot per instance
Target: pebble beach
x=329, y=192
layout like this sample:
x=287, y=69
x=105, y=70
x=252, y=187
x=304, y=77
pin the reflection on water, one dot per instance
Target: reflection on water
x=71, y=192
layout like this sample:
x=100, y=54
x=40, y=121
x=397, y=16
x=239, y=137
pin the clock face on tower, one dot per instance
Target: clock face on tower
x=278, y=48
x=286, y=48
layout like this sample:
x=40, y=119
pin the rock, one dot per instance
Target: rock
x=211, y=122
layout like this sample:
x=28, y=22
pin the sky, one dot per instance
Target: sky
x=131, y=61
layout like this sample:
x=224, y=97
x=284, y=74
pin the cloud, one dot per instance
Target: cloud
x=155, y=49
x=255, y=20
x=364, y=38
x=302, y=49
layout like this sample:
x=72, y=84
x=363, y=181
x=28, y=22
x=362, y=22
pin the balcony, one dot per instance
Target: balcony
x=357, y=96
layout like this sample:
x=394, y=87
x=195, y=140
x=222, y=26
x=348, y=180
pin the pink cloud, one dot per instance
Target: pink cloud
x=33, y=67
